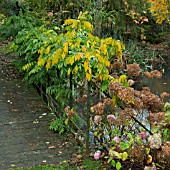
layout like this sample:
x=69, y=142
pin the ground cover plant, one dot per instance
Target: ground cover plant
x=88, y=83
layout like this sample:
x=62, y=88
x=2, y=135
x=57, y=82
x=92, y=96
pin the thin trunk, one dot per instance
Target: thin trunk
x=98, y=18
x=88, y=121
x=71, y=89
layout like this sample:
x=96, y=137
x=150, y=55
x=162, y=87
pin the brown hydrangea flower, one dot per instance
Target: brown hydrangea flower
x=97, y=119
x=70, y=113
x=118, y=65
x=153, y=74
x=164, y=94
x=133, y=70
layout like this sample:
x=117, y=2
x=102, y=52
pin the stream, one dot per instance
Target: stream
x=158, y=86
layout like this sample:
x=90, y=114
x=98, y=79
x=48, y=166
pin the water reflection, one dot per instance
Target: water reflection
x=158, y=86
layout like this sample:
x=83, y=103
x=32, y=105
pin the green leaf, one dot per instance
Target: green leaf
x=118, y=166
x=113, y=163
x=124, y=146
x=105, y=87
x=109, y=160
x=168, y=115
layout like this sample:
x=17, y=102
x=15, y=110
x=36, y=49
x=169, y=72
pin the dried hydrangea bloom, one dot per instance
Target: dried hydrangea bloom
x=126, y=115
x=125, y=94
x=107, y=101
x=99, y=108
x=133, y=70
x=153, y=74
x=155, y=141
x=131, y=82
x=118, y=65
x=97, y=119
x=113, y=86
x=151, y=101
x=111, y=118
x=157, y=119
x=70, y=113
x=153, y=167
x=164, y=94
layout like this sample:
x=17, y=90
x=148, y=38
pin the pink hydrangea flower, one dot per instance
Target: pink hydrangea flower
x=111, y=118
x=97, y=155
x=97, y=119
x=117, y=139
x=143, y=135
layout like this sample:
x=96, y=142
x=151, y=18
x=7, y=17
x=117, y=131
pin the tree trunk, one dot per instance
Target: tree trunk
x=88, y=121
x=98, y=19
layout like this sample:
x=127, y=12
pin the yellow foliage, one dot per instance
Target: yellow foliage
x=107, y=63
x=78, y=56
x=75, y=23
x=40, y=51
x=114, y=101
x=160, y=9
x=88, y=76
x=63, y=55
x=78, y=43
x=48, y=50
x=27, y=66
x=56, y=56
x=100, y=59
x=103, y=48
x=75, y=70
x=48, y=65
x=41, y=61
x=58, y=42
x=88, y=25
x=65, y=45
x=70, y=60
x=108, y=41
x=69, y=21
x=71, y=34
x=88, y=43
x=122, y=79
x=90, y=35
x=72, y=46
x=89, y=70
x=103, y=76
x=84, y=49
x=119, y=49
x=69, y=71
x=86, y=63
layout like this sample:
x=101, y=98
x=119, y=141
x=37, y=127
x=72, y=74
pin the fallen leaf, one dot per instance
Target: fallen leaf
x=13, y=165
x=59, y=152
x=14, y=110
x=35, y=121
x=51, y=156
x=51, y=147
